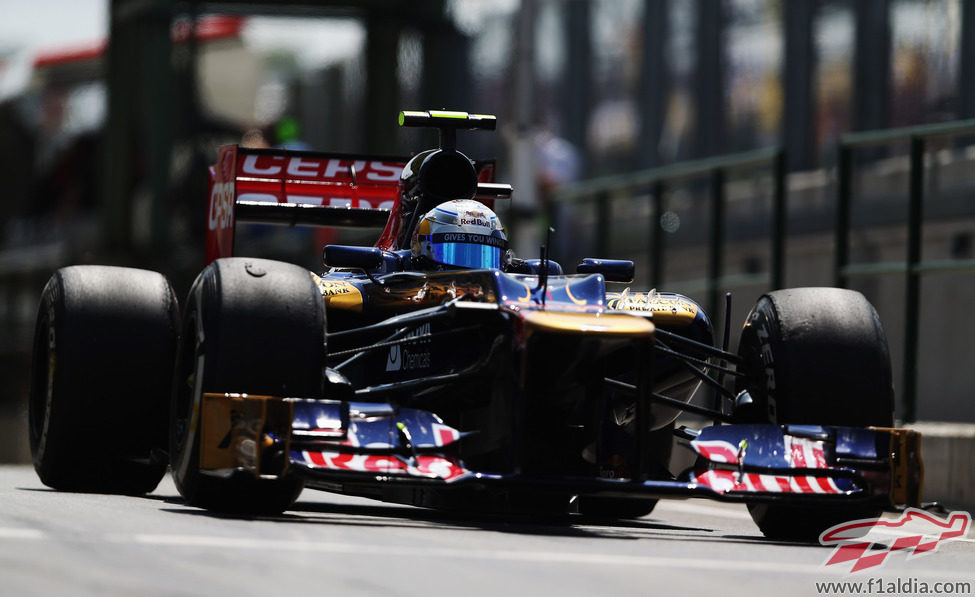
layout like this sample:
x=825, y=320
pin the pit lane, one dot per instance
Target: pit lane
x=84, y=544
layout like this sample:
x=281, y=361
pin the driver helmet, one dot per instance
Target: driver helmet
x=462, y=233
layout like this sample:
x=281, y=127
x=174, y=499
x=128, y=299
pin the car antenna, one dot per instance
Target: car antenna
x=543, y=274
x=724, y=347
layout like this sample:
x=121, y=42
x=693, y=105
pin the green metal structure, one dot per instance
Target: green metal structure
x=717, y=171
x=913, y=267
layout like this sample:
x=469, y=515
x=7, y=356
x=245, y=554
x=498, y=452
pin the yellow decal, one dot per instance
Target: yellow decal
x=667, y=309
x=234, y=428
x=339, y=294
x=448, y=114
x=604, y=324
x=568, y=293
x=906, y=466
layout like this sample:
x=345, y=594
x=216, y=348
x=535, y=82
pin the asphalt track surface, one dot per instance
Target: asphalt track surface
x=54, y=543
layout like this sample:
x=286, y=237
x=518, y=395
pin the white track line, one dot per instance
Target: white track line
x=660, y=513
x=541, y=557
x=545, y=557
x=21, y=533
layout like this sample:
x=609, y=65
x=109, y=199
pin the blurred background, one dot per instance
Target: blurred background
x=112, y=110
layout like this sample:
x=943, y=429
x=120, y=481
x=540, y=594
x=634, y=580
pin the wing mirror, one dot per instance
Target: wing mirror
x=614, y=270
x=367, y=258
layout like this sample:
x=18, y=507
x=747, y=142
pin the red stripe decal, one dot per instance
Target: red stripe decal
x=798, y=455
x=826, y=484
x=756, y=481
x=804, y=486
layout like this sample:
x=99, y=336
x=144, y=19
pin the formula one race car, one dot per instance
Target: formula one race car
x=437, y=369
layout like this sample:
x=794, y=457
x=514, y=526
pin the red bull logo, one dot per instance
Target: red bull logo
x=915, y=532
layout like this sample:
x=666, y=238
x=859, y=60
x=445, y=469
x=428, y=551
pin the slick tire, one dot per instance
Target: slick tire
x=104, y=345
x=815, y=356
x=250, y=326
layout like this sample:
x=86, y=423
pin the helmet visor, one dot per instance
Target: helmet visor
x=467, y=255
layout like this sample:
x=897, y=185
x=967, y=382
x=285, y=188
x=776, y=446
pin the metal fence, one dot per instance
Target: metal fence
x=717, y=171
x=655, y=182
x=913, y=267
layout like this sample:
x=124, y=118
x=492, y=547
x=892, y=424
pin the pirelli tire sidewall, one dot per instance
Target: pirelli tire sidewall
x=817, y=356
x=104, y=343
x=250, y=326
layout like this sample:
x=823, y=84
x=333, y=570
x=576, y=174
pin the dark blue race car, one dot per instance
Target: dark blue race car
x=436, y=368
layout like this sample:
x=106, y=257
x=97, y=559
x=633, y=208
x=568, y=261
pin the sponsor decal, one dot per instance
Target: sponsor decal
x=320, y=169
x=667, y=310
x=429, y=466
x=221, y=206
x=651, y=301
x=339, y=293
x=382, y=172
x=225, y=170
x=869, y=543
x=331, y=288
x=413, y=355
x=469, y=237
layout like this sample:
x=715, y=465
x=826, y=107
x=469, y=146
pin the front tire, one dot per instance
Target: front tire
x=251, y=326
x=104, y=345
x=815, y=356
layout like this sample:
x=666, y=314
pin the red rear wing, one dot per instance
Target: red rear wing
x=297, y=188
x=278, y=186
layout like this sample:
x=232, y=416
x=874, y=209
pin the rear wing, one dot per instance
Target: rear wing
x=308, y=188
x=297, y=188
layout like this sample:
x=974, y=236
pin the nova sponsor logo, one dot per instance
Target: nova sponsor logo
x=915, y=532
x=412, y=355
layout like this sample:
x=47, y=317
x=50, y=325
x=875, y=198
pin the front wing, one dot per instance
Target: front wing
x=329, y=443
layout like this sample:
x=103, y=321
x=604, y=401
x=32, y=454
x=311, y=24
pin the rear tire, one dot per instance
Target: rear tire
x=251, y=326
x=104, y=345
x=815, y=356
